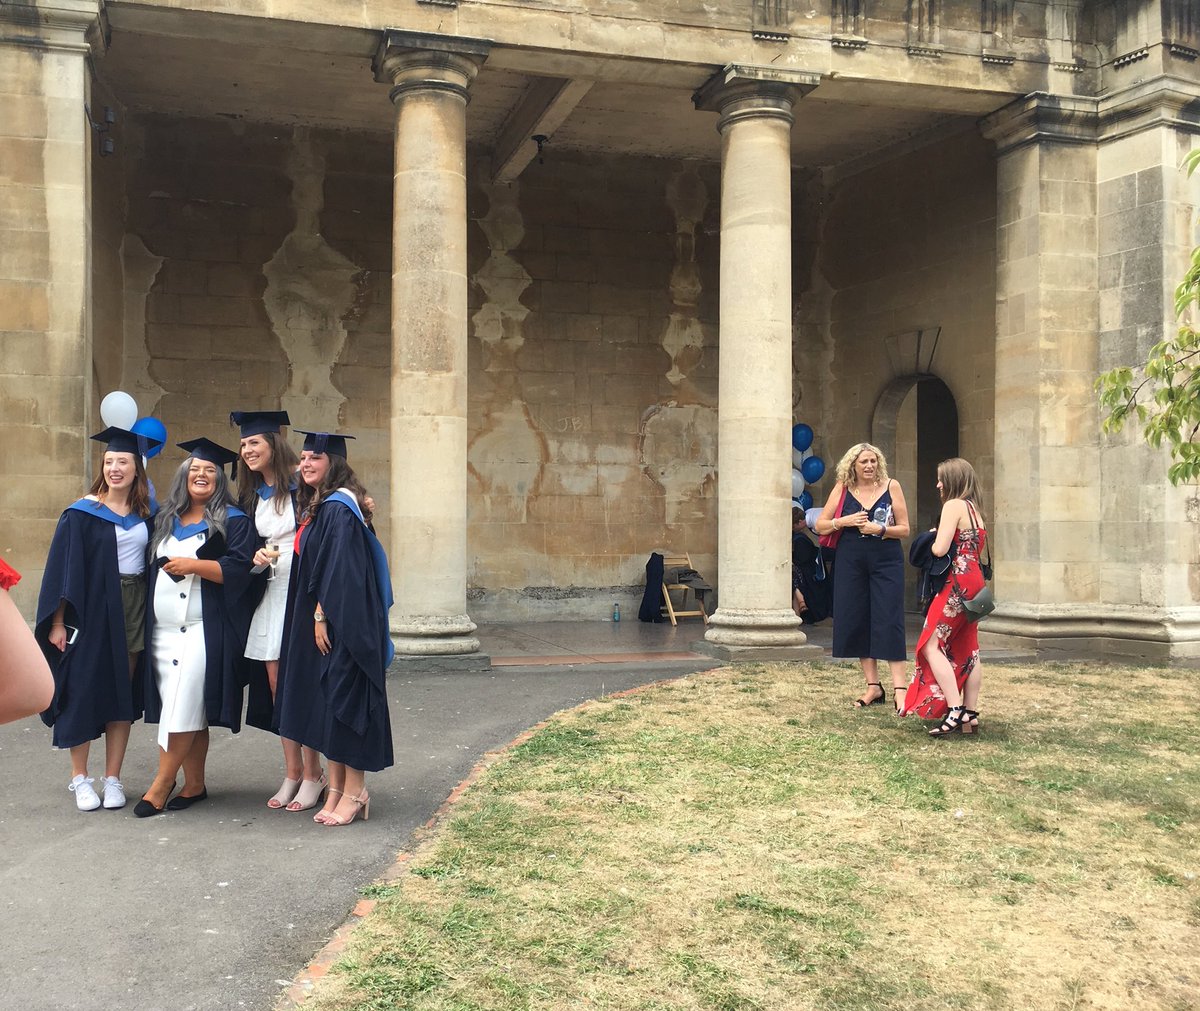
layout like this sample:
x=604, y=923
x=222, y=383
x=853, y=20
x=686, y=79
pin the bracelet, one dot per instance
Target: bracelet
x=318, y=616
x=882, y=531
x=58, y=624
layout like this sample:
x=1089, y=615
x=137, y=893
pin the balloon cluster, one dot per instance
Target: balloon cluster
x=807, y=468
x=120, y=410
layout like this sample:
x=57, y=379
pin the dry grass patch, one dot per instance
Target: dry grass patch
x=744, y=840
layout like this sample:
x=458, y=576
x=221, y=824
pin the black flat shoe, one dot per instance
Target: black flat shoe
x=144, y=809
x=182, y=803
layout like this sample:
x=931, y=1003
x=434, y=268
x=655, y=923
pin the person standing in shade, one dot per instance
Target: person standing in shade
x=945, y=685
x=337, y=646
x=267, y=487
x=91, y=615
x=868, y=592
x=200, y=587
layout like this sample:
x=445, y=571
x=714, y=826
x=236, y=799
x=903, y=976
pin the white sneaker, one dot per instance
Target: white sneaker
x=85, y=796
x=114, y=793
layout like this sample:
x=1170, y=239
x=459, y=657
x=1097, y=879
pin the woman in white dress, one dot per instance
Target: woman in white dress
x=267, y=491
x=200, y=575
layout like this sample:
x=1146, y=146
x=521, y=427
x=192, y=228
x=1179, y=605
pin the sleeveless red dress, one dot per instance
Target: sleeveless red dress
x=947, y=619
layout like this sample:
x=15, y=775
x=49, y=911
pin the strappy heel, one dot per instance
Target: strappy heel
x=970, y=723
x=862, y=703
x=321, y=815
x=362, y=806
x=954, y=723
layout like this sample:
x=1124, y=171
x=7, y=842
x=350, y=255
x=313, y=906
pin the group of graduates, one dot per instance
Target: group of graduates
x=268, y=599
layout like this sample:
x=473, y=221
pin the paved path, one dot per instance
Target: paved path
x=220, y=906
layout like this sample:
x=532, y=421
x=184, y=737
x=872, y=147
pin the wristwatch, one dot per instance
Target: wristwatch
x=318, y=616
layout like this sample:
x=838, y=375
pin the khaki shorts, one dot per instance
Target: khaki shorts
x=133, y=602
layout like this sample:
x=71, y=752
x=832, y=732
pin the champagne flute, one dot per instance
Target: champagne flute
x=273, y=551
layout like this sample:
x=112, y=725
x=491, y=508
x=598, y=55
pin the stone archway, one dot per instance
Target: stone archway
x=915, y=423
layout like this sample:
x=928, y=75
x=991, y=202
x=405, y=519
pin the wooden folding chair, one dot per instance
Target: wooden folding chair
x=670, y=563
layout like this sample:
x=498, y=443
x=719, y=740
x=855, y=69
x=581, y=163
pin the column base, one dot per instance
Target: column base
x=434, y=635
x=757, y=654
x=744, y=634
x=456, y=663
x=1047, y=632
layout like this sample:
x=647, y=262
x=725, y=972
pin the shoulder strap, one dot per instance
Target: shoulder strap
x=971, y=516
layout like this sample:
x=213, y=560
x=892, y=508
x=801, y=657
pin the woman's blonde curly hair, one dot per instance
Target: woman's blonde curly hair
x=846, y=464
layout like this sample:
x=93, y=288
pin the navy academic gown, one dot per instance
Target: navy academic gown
x=337, y=704
x=226, y=619
x=92, y=686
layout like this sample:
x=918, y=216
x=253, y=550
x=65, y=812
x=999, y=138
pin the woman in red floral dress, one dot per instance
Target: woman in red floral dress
x=946, y=683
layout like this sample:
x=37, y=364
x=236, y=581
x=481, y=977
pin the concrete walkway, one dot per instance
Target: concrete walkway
x=221, y=906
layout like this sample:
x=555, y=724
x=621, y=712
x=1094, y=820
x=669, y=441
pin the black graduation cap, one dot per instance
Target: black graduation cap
x=259, y=422
x=206, y=449
x=325, y=442
x=121, y=440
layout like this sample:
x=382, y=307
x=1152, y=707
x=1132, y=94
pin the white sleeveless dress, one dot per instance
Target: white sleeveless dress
x=266, y=628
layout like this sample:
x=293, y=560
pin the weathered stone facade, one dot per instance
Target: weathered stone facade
x=559, y=356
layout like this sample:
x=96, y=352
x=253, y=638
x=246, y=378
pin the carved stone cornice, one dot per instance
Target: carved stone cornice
x=1163, y=101
x=420, y=61
x=1043, y=118
x=79, y=26
x=739, y=91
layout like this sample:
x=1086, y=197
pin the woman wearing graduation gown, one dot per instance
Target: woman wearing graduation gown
x=337, y=647
x=267, y=486
x=91, y=613
x=197, y=620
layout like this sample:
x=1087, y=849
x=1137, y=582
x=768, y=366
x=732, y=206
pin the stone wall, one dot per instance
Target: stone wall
x=255, y=270
x=906, y=245
x=45, y=325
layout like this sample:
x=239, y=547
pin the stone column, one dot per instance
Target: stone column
x=45, y=269
x=429, y=78
x=1094, y=227
x=754, y=619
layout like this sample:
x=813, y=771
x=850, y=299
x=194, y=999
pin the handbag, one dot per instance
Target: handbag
x=830, y=540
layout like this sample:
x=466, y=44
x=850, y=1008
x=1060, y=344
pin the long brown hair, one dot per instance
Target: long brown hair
x=139, y=494
x=282, y=472
x=960, y=481
x=339, y=475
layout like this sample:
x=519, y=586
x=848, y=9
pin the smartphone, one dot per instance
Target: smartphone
x=72, y=634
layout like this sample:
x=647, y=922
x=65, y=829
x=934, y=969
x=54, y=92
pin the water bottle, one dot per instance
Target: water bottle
x=616, y=612
x=882, y=515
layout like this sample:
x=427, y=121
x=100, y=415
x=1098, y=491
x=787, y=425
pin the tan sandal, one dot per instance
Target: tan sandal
x=283, y=796
x=311, y=791
x=321, y=815
x=362, y=806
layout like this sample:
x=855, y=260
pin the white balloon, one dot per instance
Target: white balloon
x=797, y=484
x=803, y=456
x=797, y=458
x=119, y=410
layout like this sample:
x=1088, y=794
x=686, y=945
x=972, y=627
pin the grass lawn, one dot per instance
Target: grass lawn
x=743, y=839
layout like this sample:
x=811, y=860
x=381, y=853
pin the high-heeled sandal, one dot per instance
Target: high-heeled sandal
x=862, y=703
x=311, y=791
x=970, y=721
x=321, y=815
x=952, y=724
x=284, y=795
x=362, y=806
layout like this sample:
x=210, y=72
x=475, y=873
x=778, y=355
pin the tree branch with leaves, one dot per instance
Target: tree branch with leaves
x=1163, y=393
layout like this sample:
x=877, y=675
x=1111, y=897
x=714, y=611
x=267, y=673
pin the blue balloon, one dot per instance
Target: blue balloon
x=806, y=501
x=802, y=437
x=812, y=469
x=152, y=428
